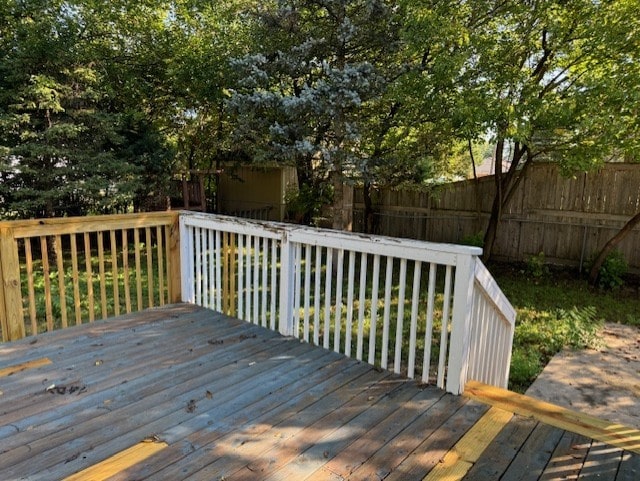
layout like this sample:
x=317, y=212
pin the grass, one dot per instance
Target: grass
x=556, y=309
x=83, y=283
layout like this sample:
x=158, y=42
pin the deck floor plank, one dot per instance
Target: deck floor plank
x=535, y=454
x=243, y=418
x=358, y=452
x=114, y=392
x=502, y=451
x=50, y=342
x=129, y=363
x=258, y=455
x=389, y=456
x=629, y=467
x=434, y=447
x=322, y=441
x=228, y=399
x=568, y=458
x=602, y=463
x=168, y=407
x=212, y=444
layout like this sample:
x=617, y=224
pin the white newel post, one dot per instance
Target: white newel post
x=461, y=324
x=287, y=270
x=186, y=262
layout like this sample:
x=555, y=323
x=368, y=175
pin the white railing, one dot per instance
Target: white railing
x=418, y=308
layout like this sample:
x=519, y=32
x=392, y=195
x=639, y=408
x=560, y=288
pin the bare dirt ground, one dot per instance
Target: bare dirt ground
x=603, y=382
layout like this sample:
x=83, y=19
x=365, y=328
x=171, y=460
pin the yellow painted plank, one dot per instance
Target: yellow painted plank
x=30, y=287
x=125, y=270
x=101, y=271
x=48, y=306
x=595, y=428
x=16, y=368
x=114, y=272
x=80, y=225
x=451, y=472
x=75, y=276
x=62, y=297
x=461, y=458
x=11, y=315
x=119, y=462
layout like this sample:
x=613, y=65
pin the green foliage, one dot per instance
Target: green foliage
x=559, y=309
x=536, y=266
x=306, y=203
x=633, y=320
x=613, y=270
x=476, y=240
x=84, y=280
x=526, y=364
x=75, y=137
x=541, y=334
x=544, y=78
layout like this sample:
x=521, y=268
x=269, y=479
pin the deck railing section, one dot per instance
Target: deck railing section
x=421, y=309
x=492, y=330
x=429, y=311
x=59, y=272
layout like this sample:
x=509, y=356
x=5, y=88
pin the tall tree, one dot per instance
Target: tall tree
x=552, y=80
x=71, y=141
x=302, y=97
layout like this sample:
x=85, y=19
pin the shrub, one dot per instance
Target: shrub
x=525, y=367
x=475, y=240
x=613, y=270
x=536, y=266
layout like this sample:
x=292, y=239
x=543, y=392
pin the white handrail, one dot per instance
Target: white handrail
x=335, y=289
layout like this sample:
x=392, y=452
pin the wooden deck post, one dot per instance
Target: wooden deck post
x=11, y=315
x=461, y=324
x=175, y=281
x=186, y=263
x=287, y=269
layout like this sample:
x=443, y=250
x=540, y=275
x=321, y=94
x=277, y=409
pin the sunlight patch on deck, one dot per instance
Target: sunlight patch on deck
x=119, y=462
x=595, y=428
x=16, y=368
x=461, y=458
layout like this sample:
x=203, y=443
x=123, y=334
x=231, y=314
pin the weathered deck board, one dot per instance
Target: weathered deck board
x=226, y=399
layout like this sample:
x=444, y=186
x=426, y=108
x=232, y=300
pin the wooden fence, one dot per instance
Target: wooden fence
x=566, y=218
x=58, y=272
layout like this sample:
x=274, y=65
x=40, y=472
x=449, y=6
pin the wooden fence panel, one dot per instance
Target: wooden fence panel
x=567, y=218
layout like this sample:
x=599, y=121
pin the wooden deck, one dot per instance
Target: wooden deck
x=184, y=393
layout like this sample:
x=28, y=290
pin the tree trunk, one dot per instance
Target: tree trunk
x=368, y=208
x=496, y=207
x=594, y=273
x=476, y=188
x=216, y=197
x=506, y=185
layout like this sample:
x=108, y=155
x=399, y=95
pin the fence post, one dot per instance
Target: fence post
x=461, y=324
x=287, y=269
x=175, y=277
x=186, y=262
x=11, y=315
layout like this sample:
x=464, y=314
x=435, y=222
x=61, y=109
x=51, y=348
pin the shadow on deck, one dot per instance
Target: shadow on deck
x=185, y=393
